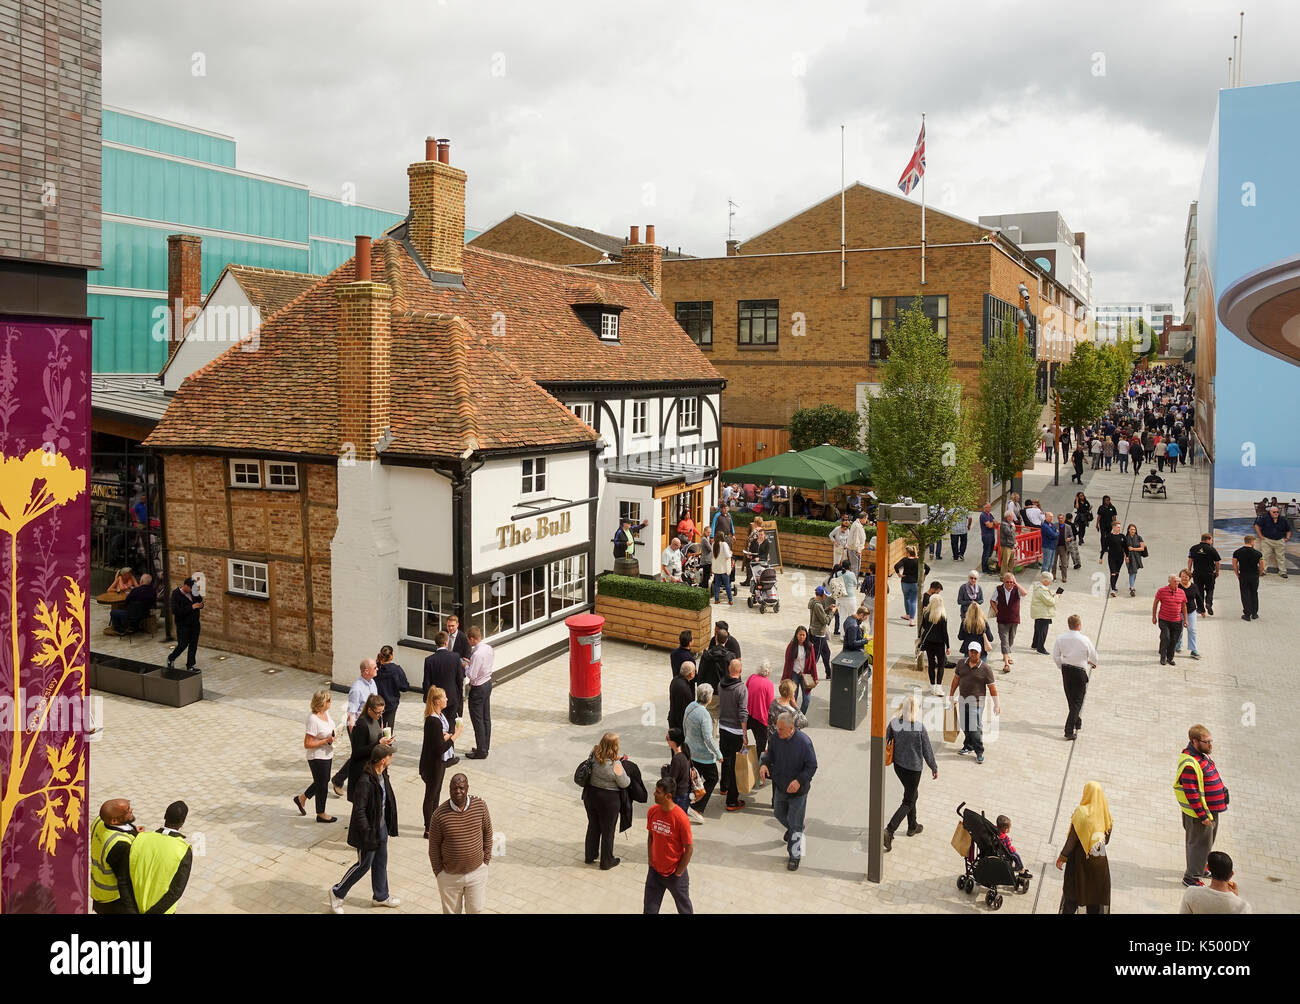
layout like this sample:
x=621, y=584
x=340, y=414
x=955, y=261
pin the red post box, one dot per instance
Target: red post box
x=584, y=668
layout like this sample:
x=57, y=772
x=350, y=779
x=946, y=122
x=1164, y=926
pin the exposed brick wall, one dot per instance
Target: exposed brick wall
x=519, y=236
x=50, y=132
x=184, y=284
x=644, y=261
x=363, y=342
x=438, y=214
x=209, y=522
x=872, y=220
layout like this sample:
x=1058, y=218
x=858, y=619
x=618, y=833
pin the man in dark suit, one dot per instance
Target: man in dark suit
x=456, y=640
x=185, y=612
x=444, y=669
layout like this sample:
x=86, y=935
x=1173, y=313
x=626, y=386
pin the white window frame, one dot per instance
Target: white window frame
x=586, y=411
x=281, y=469
x=608, y=326
x=445, y=593
x=532, y=475
x=487, y=601
x=683, y=425
x=567, y=579
x=244, y=576
x=542, y=592
x=251, y=467
x=642, y=406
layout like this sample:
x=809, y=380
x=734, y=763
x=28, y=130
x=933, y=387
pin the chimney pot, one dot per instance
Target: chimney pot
x=430, y=148
x=636, y=236
x=444, y=151
x=363, y=258
x=649, y=233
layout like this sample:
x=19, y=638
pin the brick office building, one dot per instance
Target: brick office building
x=559, y=243
x=774, y=320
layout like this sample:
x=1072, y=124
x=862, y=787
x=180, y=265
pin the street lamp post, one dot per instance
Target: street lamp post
x=908, y=513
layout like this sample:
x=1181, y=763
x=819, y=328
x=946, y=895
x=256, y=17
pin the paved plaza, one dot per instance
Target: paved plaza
x=237, y=759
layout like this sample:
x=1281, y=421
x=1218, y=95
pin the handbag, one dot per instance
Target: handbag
x=889, y=752
x=582, y=775
x=697, y=785
x=809, y=681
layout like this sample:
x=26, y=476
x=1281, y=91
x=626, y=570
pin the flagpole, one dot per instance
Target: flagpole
x=923, y=210
x=842, y=244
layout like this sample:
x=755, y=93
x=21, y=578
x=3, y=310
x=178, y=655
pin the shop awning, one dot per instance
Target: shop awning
x=798, y=470
x=858, y=463
x=637, y=471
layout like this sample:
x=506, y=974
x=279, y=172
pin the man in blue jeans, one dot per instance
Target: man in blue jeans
x=988, y=535
x=974, y=678
x=790, y=762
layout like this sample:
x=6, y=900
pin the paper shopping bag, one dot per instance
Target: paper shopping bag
x=949, y=724
x=961, y=840
x=746, y=770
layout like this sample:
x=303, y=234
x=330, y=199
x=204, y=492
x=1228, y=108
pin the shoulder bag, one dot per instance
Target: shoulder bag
x=582, y=776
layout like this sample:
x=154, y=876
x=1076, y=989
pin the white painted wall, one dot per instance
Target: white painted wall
x=495, y=494
x=367, y=601
x=226, y=317
x=421, y=500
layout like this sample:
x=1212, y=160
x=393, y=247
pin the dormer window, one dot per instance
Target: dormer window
x=601, y=318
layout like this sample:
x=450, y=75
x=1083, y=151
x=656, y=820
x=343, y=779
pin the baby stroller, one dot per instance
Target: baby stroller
x=692, y=567
x=763, y=591
x=988, y=862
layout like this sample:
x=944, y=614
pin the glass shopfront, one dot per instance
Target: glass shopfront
x=125, y=519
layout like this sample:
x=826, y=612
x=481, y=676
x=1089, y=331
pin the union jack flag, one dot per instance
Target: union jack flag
x=915, y=167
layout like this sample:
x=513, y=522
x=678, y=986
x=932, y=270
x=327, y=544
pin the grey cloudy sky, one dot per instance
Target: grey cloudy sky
x=605, y=114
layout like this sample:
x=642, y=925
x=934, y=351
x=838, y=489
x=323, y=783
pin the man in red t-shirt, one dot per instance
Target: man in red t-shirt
x=669, y=848
x=1169, y=611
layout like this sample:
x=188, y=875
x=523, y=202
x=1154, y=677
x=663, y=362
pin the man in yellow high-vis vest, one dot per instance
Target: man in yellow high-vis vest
x=111, y=837
x=160, y=863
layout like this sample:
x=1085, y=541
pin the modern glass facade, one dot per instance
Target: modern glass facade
x=162, y=178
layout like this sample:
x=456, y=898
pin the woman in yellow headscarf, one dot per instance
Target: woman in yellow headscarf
x=1087, y=869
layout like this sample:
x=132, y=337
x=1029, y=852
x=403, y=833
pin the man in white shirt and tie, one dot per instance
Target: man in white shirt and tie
x=1074, y=654
x=479, y=680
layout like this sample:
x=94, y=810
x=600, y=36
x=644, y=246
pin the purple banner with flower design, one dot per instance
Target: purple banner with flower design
x=44, y=571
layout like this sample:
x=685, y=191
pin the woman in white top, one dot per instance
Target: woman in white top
x=722, y=567
x=319, y=743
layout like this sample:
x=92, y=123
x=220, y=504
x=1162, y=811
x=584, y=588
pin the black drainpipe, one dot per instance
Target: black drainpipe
x=461, y=541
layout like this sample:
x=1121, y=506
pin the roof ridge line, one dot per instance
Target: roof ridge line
x=579, y=269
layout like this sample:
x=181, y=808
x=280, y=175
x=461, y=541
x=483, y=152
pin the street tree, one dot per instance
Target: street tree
x=1083, y=386
x=825, y=423
x=1007, y=426
x=919, y=434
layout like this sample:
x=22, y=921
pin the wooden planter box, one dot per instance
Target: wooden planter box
x=650, y=623
x=803, y=551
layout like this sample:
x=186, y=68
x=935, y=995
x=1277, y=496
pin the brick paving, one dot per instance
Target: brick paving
x=237, y=759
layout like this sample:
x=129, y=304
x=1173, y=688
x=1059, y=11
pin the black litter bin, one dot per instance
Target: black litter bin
x=850, y=689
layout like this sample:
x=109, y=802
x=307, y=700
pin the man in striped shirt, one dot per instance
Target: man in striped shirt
x=460, y=847
x=1203, y=797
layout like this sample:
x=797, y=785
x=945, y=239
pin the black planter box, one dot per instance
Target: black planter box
x=144, y=681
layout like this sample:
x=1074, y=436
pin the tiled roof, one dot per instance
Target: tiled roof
x=608, y=243
x=451, y=391
x=524, y=310
x=270, y=290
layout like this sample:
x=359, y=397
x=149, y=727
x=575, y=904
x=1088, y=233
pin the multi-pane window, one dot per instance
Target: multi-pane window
x=630, y=511
x=281, y=475
x=534, y=479
x=688, y=414
x=886, y=311
x=609, y=327
x=427, y=608
x=492, y=605
x=569, y=581
x=532, y=595
x=246, y=473
x=756, y=322
x=248, y=577
x=640, y=418
x=586, y=411
x=696, y=319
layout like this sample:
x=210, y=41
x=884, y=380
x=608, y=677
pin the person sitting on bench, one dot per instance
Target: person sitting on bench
x=139, y=603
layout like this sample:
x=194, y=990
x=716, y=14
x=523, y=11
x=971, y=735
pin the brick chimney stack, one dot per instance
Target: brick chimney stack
x=363, y=343
x=644, y=261
x=437, y=228
x=733, y=248
x=184, y=284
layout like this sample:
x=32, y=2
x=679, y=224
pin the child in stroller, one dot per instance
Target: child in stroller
x=989, y=863
x=763, y=592
x=692, y=566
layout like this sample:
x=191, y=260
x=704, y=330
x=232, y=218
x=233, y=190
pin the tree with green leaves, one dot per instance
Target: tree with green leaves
x=1083, y=385
x=919, y=435
x=825, y=423
x=1007, y=427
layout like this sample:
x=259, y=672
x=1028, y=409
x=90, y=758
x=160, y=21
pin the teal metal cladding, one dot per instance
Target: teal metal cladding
x=135, y=256
x=121, y=341
x=132, y=131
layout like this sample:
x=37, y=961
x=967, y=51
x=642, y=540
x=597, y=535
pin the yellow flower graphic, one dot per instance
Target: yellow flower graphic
x=31, y=486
